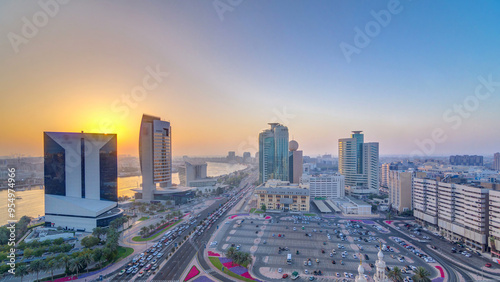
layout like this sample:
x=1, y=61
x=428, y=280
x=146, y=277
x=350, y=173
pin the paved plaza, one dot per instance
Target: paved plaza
x=268, y=260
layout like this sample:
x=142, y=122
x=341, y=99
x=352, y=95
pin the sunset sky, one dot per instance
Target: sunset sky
x=222, y=76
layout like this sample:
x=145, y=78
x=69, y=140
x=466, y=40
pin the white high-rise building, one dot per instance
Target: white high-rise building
x=155, y=155
x=459, y=212
x=494, y=221
x=358, y=162
x=80, y=177
x=329, y=186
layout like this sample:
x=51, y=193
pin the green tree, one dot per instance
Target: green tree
x=97, y=256
x=144, y=231
x=263, y=207
x=37, y=266
x=98, y=232
x=64, y=261
x=52, y=265
x=90, y=241
x=28, y=252
x=22, y=271
x=108, y=254
x=58, y=241
x=87, y=259
x=230, y=252
x=75, y=265
x=421, y=275
x=395, y=274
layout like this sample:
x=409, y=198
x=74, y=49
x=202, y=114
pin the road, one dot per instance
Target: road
x=447, y=264
x=180, y=260
x=183, y=256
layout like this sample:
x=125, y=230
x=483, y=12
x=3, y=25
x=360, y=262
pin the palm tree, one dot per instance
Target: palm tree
x=97, y=256
x=22, y=271
x=52, y=265
x=395, y=274
x=151, y=227
x=37, y=266
x=492, y=243
x=230, y=252
x=98, y=232
x=87, y=259
x=144, y=231
x=64, y=260
x=421, y=275
x=75, y=265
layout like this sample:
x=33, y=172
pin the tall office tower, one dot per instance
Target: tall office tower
x=295, y=162
x=370, y=165
x=358, y=162
x=155, y=155
x=80, y=173
x=273, y=153
x=496, y=161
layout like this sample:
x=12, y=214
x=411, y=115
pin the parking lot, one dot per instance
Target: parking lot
x=309, y=243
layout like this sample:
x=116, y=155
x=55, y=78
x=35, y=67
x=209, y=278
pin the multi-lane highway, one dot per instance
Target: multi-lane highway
x=183, y=256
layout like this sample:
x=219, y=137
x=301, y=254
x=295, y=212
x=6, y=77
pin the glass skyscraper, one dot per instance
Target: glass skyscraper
x=273, y=153
x=358, y=161
x=155, y=155
x=80, y=173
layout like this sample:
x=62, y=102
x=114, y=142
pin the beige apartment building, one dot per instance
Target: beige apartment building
x=400, y=184
x=494, y=222
x=458, y=212
x=283, y=197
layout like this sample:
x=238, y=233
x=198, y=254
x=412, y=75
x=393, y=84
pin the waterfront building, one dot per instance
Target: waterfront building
x=273, y=153
x=194, y=174
x=295, y=162
x=80, y=175
x=358, y=162
x=155, y=155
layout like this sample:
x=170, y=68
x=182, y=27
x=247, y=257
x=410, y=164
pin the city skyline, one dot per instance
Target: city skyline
x=412, y=79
